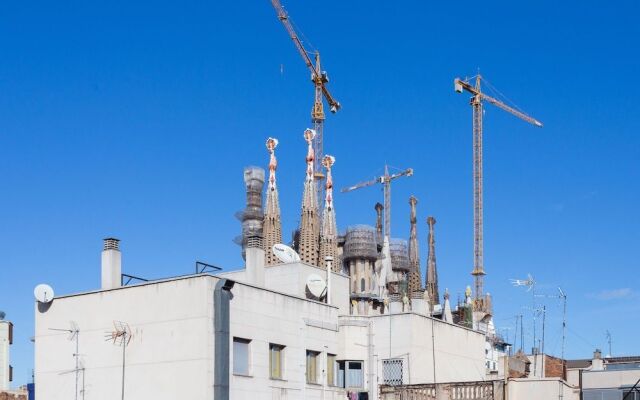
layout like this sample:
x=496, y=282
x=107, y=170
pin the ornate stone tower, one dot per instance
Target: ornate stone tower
x=379, y=207
x=272, y=226
x=329, y=235
x=415, y=277
x=431, y=282
x=309, y=220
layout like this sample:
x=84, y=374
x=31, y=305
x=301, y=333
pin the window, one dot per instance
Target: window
x=275, y=361
x=331, y=368
x=350, y=374
x=312, y=366
x=241, y=356
x=392, y=372
x=362, y=284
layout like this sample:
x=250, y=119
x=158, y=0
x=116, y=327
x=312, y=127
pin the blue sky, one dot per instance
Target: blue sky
x=135, y=119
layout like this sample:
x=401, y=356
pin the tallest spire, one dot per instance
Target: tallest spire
x=329, y=235
x=415, y=277
x=272, y=222
x=309, y=220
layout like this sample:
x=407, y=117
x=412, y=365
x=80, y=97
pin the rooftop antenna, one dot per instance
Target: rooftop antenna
x=608, y=334
x=74, y=334
x=563, y=296
x=120, y=336
x=530, y=284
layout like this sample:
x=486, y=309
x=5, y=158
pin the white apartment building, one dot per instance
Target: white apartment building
x=280, y=344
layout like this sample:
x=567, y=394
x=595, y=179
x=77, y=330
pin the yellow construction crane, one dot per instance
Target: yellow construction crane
x=385, y=180
x=319, y=78
x=476, y=102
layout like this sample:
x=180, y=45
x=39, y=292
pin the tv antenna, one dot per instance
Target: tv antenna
x=74, y=334
x=608, y=334
x=563, y=296
x=530, y=284
x=120, y=336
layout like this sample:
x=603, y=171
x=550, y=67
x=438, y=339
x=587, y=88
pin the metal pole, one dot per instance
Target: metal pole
x=77, y=354
x=564, y=322
x=124, y=348
x=544, y=314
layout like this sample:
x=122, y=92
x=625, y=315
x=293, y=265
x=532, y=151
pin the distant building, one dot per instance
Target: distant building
x=6, y=340
x=608, y=378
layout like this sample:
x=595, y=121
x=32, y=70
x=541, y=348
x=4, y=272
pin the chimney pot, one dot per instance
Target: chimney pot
x=111, y=244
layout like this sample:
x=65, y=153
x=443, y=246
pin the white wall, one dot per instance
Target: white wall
x=609, y=378
x=170, y=354
x=4, y=355
x=541, y=389
x=267, y=317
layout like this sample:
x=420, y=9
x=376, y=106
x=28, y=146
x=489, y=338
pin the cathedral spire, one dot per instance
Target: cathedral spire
x=309, y=220
x=272, y=223
x=329, y=235
x=415, y=277
x=431, y=281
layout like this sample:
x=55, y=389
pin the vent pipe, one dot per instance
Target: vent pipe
x=111, y=264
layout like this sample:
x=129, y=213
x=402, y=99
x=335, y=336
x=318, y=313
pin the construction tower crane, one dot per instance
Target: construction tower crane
x=319, y=78
x=385, y=180
x=476, y=102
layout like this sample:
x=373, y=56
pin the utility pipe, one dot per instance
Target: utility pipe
x=222, y=338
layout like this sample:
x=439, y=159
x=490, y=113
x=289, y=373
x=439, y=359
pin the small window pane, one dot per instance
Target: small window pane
x=312, y=366
x=331, y=366
x=241, y=356
x=354, y=375
x=275, y=361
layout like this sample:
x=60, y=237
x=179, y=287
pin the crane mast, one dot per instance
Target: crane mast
x=385, y=180
x=319, y=78
x=478, y=219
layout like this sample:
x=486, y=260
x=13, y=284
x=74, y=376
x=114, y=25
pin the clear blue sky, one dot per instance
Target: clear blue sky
x=134, y=120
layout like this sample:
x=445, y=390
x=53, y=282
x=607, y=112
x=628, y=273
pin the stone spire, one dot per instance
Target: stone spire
x=431, y=281
x=309, y=220
x=329, y=235
x=272, y=226
x=379, y=207
x=415, y=277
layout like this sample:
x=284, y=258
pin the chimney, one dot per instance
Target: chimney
x=111, y=264
x=255, y=260
x=597, y=364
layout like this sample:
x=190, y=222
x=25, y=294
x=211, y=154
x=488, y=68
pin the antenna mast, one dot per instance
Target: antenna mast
x=121, y=336
x=74, y=333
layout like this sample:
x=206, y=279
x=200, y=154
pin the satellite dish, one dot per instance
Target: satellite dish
x=316, y=285
x=285, y=253
x=43, y=293
x=2, y=315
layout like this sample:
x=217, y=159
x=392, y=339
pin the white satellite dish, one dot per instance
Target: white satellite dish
x=316, y=285
x=43, y=293
x=285, y=253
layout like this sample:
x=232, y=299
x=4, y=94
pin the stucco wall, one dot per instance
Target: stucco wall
x=170, y=354
x=541, y=389
x=609, y=379
x=267, y=317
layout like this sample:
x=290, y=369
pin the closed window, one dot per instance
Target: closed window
x=350, y=374
x=276, y=352
x=312, y=366
x=241, y=356
x=331, y=368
